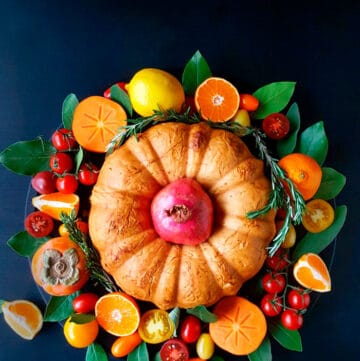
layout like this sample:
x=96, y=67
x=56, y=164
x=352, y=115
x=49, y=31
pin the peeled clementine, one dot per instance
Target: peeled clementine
x=118, y=313
x=54, y=204
x=24, y=317
x=216, y=99
x=311, y=272
x=303, y=171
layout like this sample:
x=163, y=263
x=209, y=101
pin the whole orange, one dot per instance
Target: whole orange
x=303, y=171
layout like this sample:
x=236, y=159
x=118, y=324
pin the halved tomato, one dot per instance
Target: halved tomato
x=318, y=216
x=174, y=350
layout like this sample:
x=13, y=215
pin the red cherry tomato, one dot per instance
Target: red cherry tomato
x=88, y=174
x=39, y=224
x=44, y=182
x=298, y=299
x=248, y=102
x=174, y=350
x=85, y=302
x=276, y=126
x=190, y=329
x=63, y=140
x=271, y=305
x=292, y=320
x=67, y=184
x=61, y=163
x=273, y=282
x=121, y=85
x=279, y=260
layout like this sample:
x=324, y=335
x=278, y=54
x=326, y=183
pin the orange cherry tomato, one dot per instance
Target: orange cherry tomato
x=318, y=216
x=59, y=267
x=123, y=345
x=80, y=335
x=248, y=102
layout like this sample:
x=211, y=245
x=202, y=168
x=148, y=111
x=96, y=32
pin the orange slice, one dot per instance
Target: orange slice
x=311, y=272
x=24, y=317
x=96, y=121
x=240, y=327
x=118, y=313
x=54, y=204
x=216, y=99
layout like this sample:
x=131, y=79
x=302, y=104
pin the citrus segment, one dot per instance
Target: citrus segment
x=216, y=99
x=56, y=203
x=117, y=313
x=24, y=317
x=311, y=272
x=240, y=327
x=96, y=121
x=318, y=216
x=153, y=89
x=303, y=171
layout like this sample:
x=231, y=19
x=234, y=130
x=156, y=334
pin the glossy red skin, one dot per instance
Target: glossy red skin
x=174, y=350
x=190, y=329
x=88, y=174
x=292, y=320
x=271, y=305
x=44, y=182
x=279, y=261
x=298, y=299
x=61, y=163
x=276, y=126
x=38, y=224
x=273, y=282
x=67, y=184
x=85, y=302
x=63, y=140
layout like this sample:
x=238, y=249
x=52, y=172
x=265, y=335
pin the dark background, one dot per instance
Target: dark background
x=51, y=48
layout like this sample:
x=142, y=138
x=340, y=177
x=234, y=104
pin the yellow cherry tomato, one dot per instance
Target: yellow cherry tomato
x=80, y=335
x=156, y=326
x=205, y=346
x=83, y=227
x=290, y=237
x=318, y=216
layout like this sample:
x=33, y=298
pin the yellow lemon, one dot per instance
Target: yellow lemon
x=154, y=89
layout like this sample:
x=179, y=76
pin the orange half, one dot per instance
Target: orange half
x=216, y=99
x=311, y=272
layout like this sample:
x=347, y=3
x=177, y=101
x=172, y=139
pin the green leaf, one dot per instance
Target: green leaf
x=79, y=156
x=59, y=308
x=121, y=97
x=287, y=145
x=68, y=108
x=27, y=157
x=203, y=313
x=332, y=183
x=273, y=98
x=175, y=317
x=217, y=358
x=314, y=142
x=195, y=72
x=139, y=354
x=95, y=352
x=317, y=242
x=157, y=356
x=1, y=303
x=263, y=352
x=291, y=340
x=81, y=318
x=24, y=244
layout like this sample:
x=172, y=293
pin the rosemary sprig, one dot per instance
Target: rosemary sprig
x=283, y=194
x=139, y=125
x=97, y=273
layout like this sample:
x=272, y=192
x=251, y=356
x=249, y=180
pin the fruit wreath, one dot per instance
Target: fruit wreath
x=177, y=220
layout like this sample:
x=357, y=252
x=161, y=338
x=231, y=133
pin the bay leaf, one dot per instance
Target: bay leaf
x=332, y=183
x=59, y=308
x=289, y=339
x=68, y=108
x=263, y=352
x=203, y=313
x=273, y=98
x=195, y=72
x=24, y=244
x=139, y=354
x=95, y=352
x=121, y=97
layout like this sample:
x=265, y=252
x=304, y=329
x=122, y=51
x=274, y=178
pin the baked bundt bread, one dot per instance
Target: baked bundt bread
x=163, y=272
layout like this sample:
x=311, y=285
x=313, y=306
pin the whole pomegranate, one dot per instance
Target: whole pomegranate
x=182, y=212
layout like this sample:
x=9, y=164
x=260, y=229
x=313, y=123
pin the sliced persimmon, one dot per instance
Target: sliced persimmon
x=96, y=121
x=240, y=327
